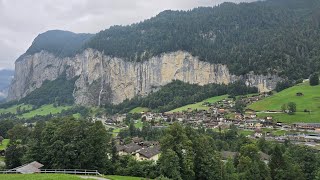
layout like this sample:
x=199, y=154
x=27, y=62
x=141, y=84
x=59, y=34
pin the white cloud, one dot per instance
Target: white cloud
x=22, y=21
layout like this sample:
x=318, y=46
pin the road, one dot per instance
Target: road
x=93, y=177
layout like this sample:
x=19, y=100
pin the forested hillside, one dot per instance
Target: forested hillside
x=277, y=36
x=273, y=36
x=60, y=43
x=178, y=93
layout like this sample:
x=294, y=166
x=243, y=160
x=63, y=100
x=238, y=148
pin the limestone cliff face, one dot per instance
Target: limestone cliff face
x=103, y=79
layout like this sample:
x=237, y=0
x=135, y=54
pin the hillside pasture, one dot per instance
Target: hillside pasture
x=199, y=105
x=309, y=100
x=45, y=110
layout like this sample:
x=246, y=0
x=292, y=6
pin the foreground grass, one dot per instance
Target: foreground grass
x=199, y=105
x=139, y=110
x=45, y=110
x=39, y=177
x=310, y=101
x=114, y=177
x=4, y=144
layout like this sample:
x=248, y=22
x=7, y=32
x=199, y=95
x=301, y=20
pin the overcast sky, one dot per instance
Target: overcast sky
x=22, y=20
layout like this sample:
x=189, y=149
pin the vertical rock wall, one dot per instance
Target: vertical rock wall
x=103, y=79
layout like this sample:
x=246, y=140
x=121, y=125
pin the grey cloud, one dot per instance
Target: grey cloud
x=22, y=21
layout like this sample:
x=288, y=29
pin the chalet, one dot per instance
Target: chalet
x=150, y=143
x=221, y=111
x=307, y=126
x=150, y=153
x=250, y=124
x=238, y=116
x=268, y=118
x=250, y=111
x=137, y=140
x=264, y=157
x=312, y=137
x=119, y=118
x=225, y=155
x=33, y=167
x=258, y=133
x=131, y=148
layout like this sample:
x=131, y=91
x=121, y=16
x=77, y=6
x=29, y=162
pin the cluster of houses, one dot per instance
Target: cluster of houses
x=141, y=150
x=220, y=115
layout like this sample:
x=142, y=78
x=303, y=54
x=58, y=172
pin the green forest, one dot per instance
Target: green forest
x=60, y=43
x=274, y=36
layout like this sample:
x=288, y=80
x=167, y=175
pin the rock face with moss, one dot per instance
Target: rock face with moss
x=103, y=79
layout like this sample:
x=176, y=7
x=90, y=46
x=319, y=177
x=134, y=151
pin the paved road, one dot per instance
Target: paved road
x=93, y=177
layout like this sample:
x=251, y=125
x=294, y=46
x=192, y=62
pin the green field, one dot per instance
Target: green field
x=45, y=110
x=77, y=115
x=4, y=144
x=139, y=124
x=114, y=177
x=310, y=101
x=199, y=105
x=13, y=109
x=246, y=132
x=139, y=110
x=115, y=132
x=39, y=177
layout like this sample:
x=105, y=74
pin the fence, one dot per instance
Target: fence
x=59, y=171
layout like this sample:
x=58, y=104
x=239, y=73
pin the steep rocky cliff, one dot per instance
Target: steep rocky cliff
x=103, y=79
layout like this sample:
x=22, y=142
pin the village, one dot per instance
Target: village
x=219, y=116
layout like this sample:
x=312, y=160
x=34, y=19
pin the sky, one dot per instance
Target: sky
x=22, y=20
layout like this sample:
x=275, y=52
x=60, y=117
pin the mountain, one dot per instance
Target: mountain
x=60, y=43
x=261, y=43
x=5, y=79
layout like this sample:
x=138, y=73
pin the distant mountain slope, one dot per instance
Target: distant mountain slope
x=60, y=43
x=5, y=79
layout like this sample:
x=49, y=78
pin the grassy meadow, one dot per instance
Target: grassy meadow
x=199, y=105
x=4, y=144
x=13, y=109
x=45, y=110
x=309, y=101
x=139, y=110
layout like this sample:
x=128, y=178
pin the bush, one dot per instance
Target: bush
x=314, y=79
